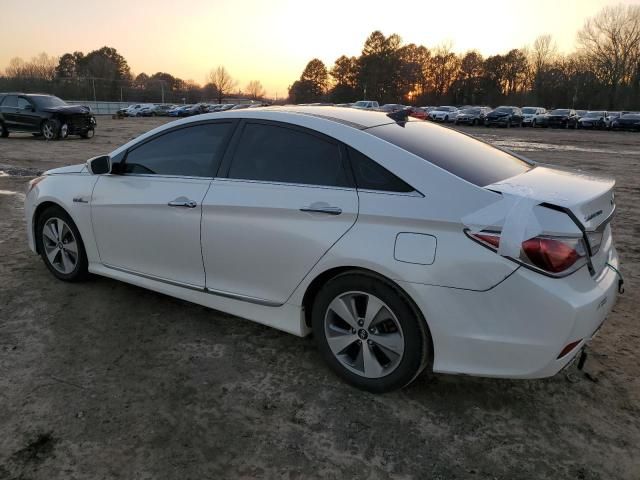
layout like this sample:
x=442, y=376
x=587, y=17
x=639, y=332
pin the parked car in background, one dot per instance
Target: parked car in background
x=540, y=120
x=179, y=111
x=240, y=106
x=611, y=116
x=365, y=104
x=581, y=113
x=444, y=113
x=44, y=115
x=135, y=109
x=472, y=116
x=563, y=118
x=158, y=110
x=627, y=121
x=593, y=120
x=391, y=107
x=504, y=116
x=529, y=115
x=417, y=112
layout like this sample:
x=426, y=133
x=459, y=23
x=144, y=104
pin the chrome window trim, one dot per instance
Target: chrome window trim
x=268, y=182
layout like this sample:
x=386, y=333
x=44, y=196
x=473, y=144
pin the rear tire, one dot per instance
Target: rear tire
x=60, y=245
x=369, y=333
x=50, y=129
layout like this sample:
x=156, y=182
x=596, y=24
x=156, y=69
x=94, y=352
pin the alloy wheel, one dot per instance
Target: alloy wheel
x=60, y=245
x=364, y=334
x=48, y=130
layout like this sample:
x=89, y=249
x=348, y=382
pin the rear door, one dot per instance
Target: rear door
x=286, y=199
x=146, y=220
x=9, y=108
x=26, y=115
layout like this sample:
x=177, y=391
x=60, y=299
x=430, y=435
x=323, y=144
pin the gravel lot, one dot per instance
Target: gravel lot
x=106, y=380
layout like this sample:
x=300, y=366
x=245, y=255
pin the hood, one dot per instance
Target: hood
x=79, y=168
x=69, y=109
x=497, y=114
x=589, y=198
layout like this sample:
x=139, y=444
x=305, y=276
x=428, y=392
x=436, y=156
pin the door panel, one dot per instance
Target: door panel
x=257, y=242
x=136, y=229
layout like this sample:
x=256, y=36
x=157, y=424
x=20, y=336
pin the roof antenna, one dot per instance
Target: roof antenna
x=400, y=116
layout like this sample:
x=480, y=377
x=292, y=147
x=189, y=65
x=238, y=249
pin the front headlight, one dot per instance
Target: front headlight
x=32, y=183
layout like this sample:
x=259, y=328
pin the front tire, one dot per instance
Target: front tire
x=368, y=332
x=4, y=133
x=88, y=134
x=60, y=245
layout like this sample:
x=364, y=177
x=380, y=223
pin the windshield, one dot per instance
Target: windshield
x=445, y=109
x=631, y=116
x=594, y=114
x=560, y=112
x=471, y=110
x=503, y=109
x=45, y=101
x=459, y=154
x=528, y=110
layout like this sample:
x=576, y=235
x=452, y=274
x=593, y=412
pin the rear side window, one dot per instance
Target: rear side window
x=279, y=154
x=192, y=152
x=463, y=156
x=371, y=175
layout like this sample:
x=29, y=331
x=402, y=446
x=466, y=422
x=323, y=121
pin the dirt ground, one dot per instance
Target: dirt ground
x=105, y=380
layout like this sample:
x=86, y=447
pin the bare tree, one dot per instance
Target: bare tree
x=255, y=89
x=221, y=81
x=543, y=52
x=610, y=41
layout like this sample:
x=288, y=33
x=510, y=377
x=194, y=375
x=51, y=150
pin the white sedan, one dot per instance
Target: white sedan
x=444, y=114
x=400, y=244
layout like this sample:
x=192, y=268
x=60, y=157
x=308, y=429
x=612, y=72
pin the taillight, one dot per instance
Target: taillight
x=557, y=256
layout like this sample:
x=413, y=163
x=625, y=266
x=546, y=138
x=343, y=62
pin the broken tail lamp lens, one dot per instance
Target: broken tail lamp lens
x=555, y=256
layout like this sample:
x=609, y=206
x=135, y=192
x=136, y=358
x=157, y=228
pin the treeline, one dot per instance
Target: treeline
x=105, y=75
x=603, y=72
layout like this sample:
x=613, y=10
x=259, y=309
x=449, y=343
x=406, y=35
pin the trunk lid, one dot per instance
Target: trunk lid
x=589, y=198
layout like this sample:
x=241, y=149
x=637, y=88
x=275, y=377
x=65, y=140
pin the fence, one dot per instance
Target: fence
x=101, y=108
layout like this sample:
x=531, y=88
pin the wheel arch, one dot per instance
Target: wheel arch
x=36, y=215
x=322, y=278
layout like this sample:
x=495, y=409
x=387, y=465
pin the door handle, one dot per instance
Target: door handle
x=322, y=209
x=182, y=202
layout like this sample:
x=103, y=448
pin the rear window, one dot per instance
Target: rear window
x=465, y=157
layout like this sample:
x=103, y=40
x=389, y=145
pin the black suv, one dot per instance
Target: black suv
x=504, y=116
x=44, y=115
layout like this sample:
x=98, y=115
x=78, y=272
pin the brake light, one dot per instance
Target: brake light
x=557, y=256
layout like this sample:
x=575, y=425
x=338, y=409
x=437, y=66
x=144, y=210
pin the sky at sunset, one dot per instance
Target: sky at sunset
x=272, y=41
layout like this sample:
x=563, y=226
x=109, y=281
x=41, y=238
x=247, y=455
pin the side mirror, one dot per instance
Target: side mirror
x=99, y=165
x=28, y=108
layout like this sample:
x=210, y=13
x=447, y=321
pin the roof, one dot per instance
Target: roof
x=356, y=118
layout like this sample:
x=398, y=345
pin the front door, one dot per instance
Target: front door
x=146, y=220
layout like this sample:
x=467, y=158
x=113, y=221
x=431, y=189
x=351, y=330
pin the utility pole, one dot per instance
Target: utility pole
x=162, y=87
x=93, y=82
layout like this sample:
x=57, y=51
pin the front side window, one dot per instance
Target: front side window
x=23, y=103
x=274, y=153
x=194, y=151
